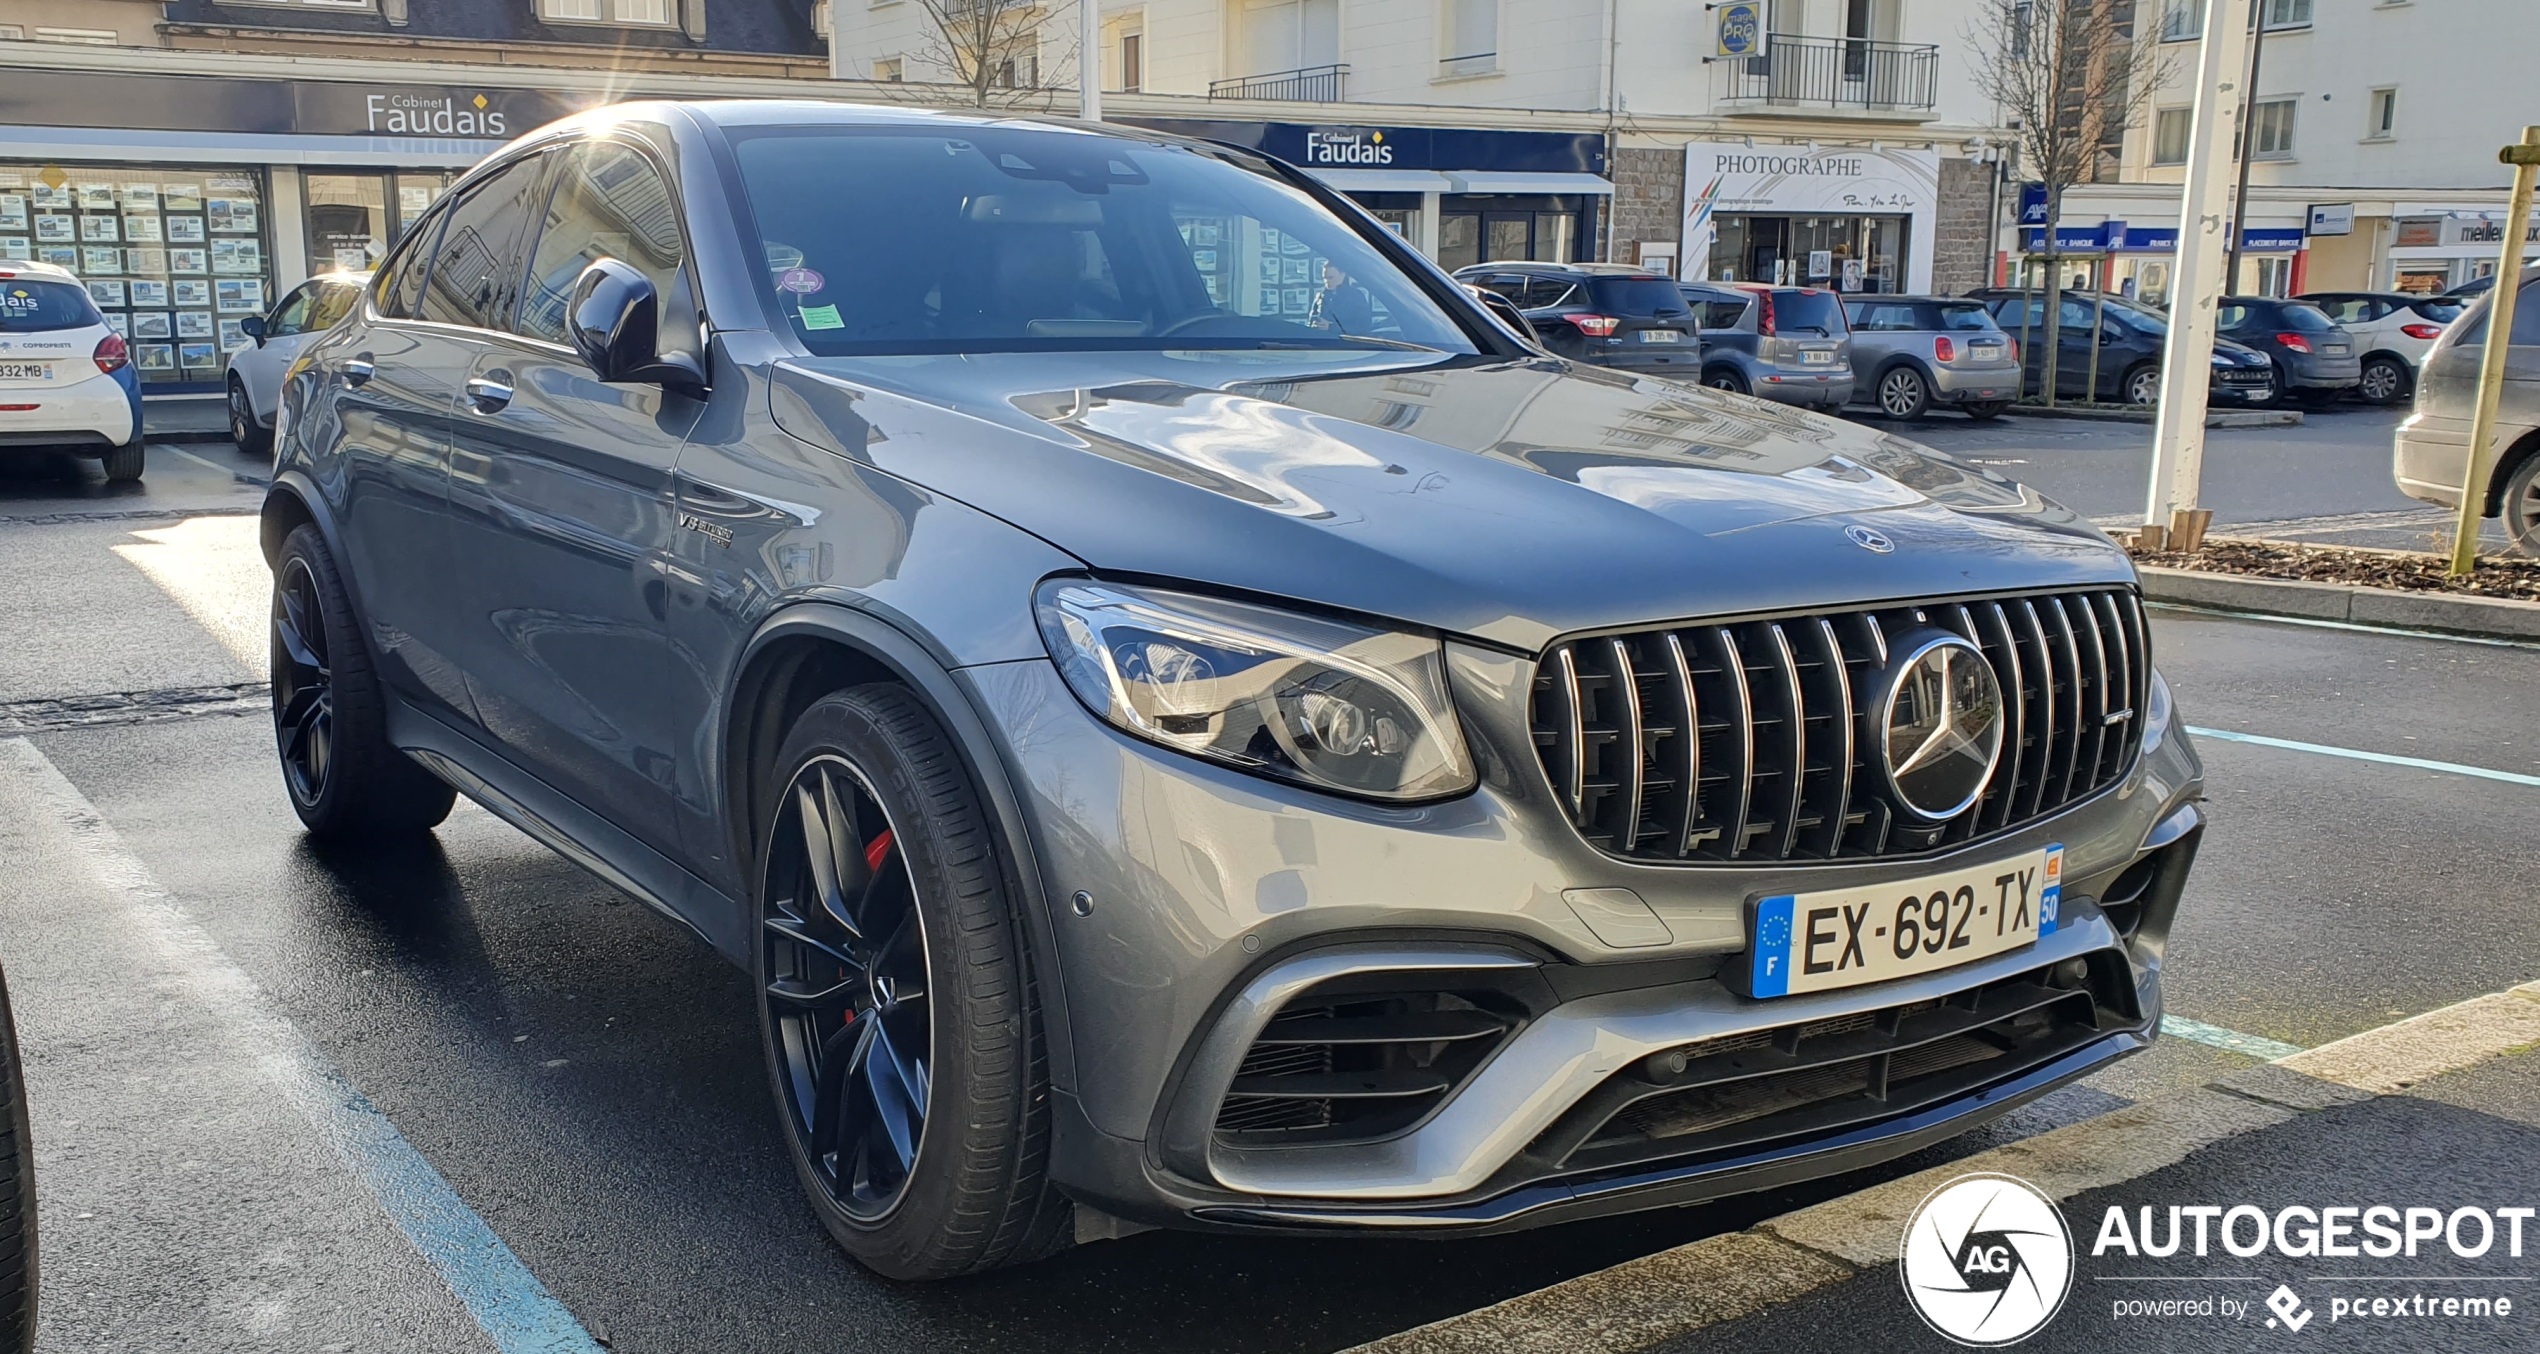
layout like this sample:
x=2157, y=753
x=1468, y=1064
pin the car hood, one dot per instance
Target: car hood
x=1506, y=499
x=2240, y=352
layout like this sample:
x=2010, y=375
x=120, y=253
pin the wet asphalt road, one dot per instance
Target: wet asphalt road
x=587, y=1079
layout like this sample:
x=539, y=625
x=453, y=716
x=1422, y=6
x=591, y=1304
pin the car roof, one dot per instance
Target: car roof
x=50, y=272
x=1896, y=296
x=1550, y=266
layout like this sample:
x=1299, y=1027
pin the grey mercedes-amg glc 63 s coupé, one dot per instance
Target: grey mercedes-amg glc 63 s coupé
x=1175, y=752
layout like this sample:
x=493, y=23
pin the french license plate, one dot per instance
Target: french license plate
x=2333, y=349
x=1662, y=336
x=26, y=371
x=1809, y=942
x=1816, y=357
x=1985, y=353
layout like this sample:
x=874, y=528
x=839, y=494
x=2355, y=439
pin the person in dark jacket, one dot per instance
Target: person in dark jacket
x=1343, y=306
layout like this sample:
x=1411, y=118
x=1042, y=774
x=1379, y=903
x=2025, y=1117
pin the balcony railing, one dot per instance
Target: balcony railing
x=1314, y=84
x=1803, y=72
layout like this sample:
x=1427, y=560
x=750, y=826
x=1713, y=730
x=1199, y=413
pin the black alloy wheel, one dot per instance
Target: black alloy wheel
x=846, y=988
x=330, y=719
x=303, y=682
x=244, y=430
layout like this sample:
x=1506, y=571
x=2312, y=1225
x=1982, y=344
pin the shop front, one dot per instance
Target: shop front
x=1460, y=195
x=2137, y=261
x=188, y=203
x=1851, y=219
x=2434, y=252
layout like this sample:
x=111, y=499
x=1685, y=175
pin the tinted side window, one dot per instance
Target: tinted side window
x=609, y=203
x=1885, y=317
x=1545, y=291
x=2229, y=316
x=1723, y=314
x=476, y=264
x=400, y=282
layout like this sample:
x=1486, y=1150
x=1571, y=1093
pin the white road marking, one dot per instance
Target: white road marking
x=2360, y=755
x=2256, y=1046
x=506, y=1301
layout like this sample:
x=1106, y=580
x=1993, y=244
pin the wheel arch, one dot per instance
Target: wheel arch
x=810, y=649
x=2524, y=449
x=1921, y=368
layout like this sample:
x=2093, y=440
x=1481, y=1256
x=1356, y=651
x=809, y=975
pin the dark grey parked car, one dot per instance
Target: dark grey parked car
x=1790, y=344
x=1917, y=351
x=1164, y=761
x=1604, y=313
x=2315, y=358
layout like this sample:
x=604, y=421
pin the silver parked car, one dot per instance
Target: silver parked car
x=2430, y=453
x=1789, y=344
x=1912, y=352
x=276, y=337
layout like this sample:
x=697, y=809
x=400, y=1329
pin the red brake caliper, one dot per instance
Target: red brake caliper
x=874, y=853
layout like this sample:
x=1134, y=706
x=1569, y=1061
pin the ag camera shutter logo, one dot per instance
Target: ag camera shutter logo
x=1987, y=1260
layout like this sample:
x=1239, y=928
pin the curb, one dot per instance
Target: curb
x=2448, y=613
x=1645, y=1304
x=2229, y=418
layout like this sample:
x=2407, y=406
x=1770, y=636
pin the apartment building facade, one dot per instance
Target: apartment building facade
x=2373, y=156
x=1842, y=142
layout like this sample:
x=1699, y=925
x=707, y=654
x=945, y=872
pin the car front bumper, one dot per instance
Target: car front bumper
x=1205, y=899
x=96, y=413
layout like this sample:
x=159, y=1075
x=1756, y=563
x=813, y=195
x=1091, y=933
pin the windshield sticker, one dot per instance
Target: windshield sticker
x=801, y=280
x=822, y=317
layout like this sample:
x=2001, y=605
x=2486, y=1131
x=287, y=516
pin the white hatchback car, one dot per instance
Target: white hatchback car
x=255, y=371
x=66, y=379
x=2393, y=331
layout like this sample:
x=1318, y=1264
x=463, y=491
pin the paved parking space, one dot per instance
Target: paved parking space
x=585, y=1077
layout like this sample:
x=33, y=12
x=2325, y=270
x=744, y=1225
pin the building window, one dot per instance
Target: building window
x=820, y=18
x=2272, y=121
x=629, y=13
x=1290, y=35
x=2170, y=129
x=78, y=37
x=1019, y=72
x=888, y=70
x=2183, y=21
x=1472, y=38
x=1132, y=62
x=2381, y=117
x=2288, y=13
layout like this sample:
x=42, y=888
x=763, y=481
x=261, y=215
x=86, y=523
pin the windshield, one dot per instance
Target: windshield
x=2307, y=318
x=926, y=240
x=1964, y=315
x=1808, y=312
x=30, y=306
x=1636, y=297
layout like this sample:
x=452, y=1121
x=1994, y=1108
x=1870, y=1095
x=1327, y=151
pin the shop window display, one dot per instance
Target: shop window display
x=175, y=256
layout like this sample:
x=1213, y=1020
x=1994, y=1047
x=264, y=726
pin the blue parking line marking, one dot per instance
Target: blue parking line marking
x=2358, y=754
x=2231, y=1040
x=513, y=1309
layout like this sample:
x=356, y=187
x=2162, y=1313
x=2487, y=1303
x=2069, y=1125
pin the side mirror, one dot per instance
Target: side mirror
x=1505, y=311
x=253, y=327
x=614, y=322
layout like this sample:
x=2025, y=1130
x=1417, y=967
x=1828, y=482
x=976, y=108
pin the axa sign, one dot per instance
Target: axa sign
x=1347, y=148
x=435, y=115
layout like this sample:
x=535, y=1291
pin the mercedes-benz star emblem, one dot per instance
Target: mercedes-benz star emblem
x=1871, y=539
x=1941, y=730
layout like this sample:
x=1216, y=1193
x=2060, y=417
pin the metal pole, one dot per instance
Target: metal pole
x=1089, y=60
x=2187, y=351
x=2248, y=150
x=2098, y=323
x=2524, y=157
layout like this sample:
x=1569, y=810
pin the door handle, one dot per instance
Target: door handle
x=357, y=370
x=486, y=395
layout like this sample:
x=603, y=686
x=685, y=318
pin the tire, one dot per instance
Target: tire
x=330, y=716
x=252, y=437
x=1984, y=411
x=123, y=464
x=2522, y=505
x=17, y=1196
x=2281, y=396
x=1726, y=378
x=1902, y=392
x=914, y=859
x=2142, y=384
x=2386, y=381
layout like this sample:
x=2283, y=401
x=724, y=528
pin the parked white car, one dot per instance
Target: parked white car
x=66, y=378
x=2393, y=331
x=255, y=371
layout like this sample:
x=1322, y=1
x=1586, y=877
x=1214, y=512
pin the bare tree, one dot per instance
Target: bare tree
x=2070, y=77
x=997, y=50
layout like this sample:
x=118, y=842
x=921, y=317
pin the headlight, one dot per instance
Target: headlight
x=2156, y=720
x=1333, y=706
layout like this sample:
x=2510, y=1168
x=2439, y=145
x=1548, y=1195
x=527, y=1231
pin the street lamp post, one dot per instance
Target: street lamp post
x=1089, y=60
